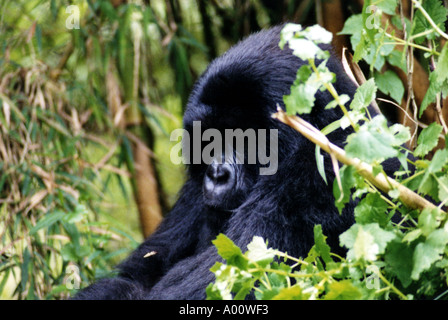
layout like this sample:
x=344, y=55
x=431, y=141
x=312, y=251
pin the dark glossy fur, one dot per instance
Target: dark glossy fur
x=241, y=89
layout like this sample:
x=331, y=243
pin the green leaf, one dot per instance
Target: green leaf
x=389, y=83
x=47, y=220
x=302, y=96
x=438, y=80
x=321, y=246
x=24, y=271
x=343, y=99
x=288, y=33
x=364, y=95
x=76, y=215
x=343, y=290
x=428, y=252
x=443, y=188
x=399, y=261
x=429, y=184
x=258, y=252
x=439, y=160
x=429, y=220
x=428, y=139
x=230, y=252
x=303, y=42
x=317, y=34
x=438, y=14
x=372, y=209
x=398, y=59
x=291, y=293
x=342, y=197
x=353, y=25
x=366, y=242
x=370, y=146
x=387, y=6
x=229, y=279
x=375, y=141
x=300, y=100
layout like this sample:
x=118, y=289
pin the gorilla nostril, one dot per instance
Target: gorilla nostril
x=222, y=174
x=219, y=173
x=219, y=181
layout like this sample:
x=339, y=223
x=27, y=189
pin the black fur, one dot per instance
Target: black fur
x=241, y=89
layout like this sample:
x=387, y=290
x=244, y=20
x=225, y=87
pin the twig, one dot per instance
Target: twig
x=439, y=113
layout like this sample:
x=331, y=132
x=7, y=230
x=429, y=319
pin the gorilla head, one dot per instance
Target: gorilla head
x=278, y=195
x=240, y=91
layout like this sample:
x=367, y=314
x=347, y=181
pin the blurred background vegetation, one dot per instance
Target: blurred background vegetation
x=89, y=93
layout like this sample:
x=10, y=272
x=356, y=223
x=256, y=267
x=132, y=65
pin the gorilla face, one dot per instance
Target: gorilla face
x=241, y=91
x=226, y=179
x=227, y=157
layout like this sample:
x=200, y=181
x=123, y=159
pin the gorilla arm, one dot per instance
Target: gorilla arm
x=175, y=239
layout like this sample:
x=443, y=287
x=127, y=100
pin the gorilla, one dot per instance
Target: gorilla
x=240, y=89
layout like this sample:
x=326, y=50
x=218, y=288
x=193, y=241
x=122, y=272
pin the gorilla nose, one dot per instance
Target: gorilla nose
x=219, y=180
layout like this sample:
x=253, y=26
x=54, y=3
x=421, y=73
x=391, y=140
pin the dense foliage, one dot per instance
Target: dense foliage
x=405, y=257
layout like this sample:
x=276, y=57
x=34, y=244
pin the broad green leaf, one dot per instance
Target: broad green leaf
x=428, y=252
x=291, y=293
x=317, y=34
x=366, y=242
x=304, y=48
x=387, y=6
x=300, y=100
x=429, y=220
x=343, y=290
x=443, y=188
x=303, y=43
x=438, y=14
x=412, y=235
x=390, y=84
x=429, y=183
x=258, y=252
x=372, y=209
x=229, y=251
x=439, y=160
x=398, y=59
x=302, y=96
x=364, y=95
x=353, y=25
x=399, y=261
x=428, y=186
x=375, y=141
x=289, y=31
x=428, y=139
x=370, y=146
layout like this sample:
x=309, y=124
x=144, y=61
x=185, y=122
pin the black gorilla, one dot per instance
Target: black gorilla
x=241, y=89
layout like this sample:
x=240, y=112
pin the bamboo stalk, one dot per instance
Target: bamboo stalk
x=408, y=197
